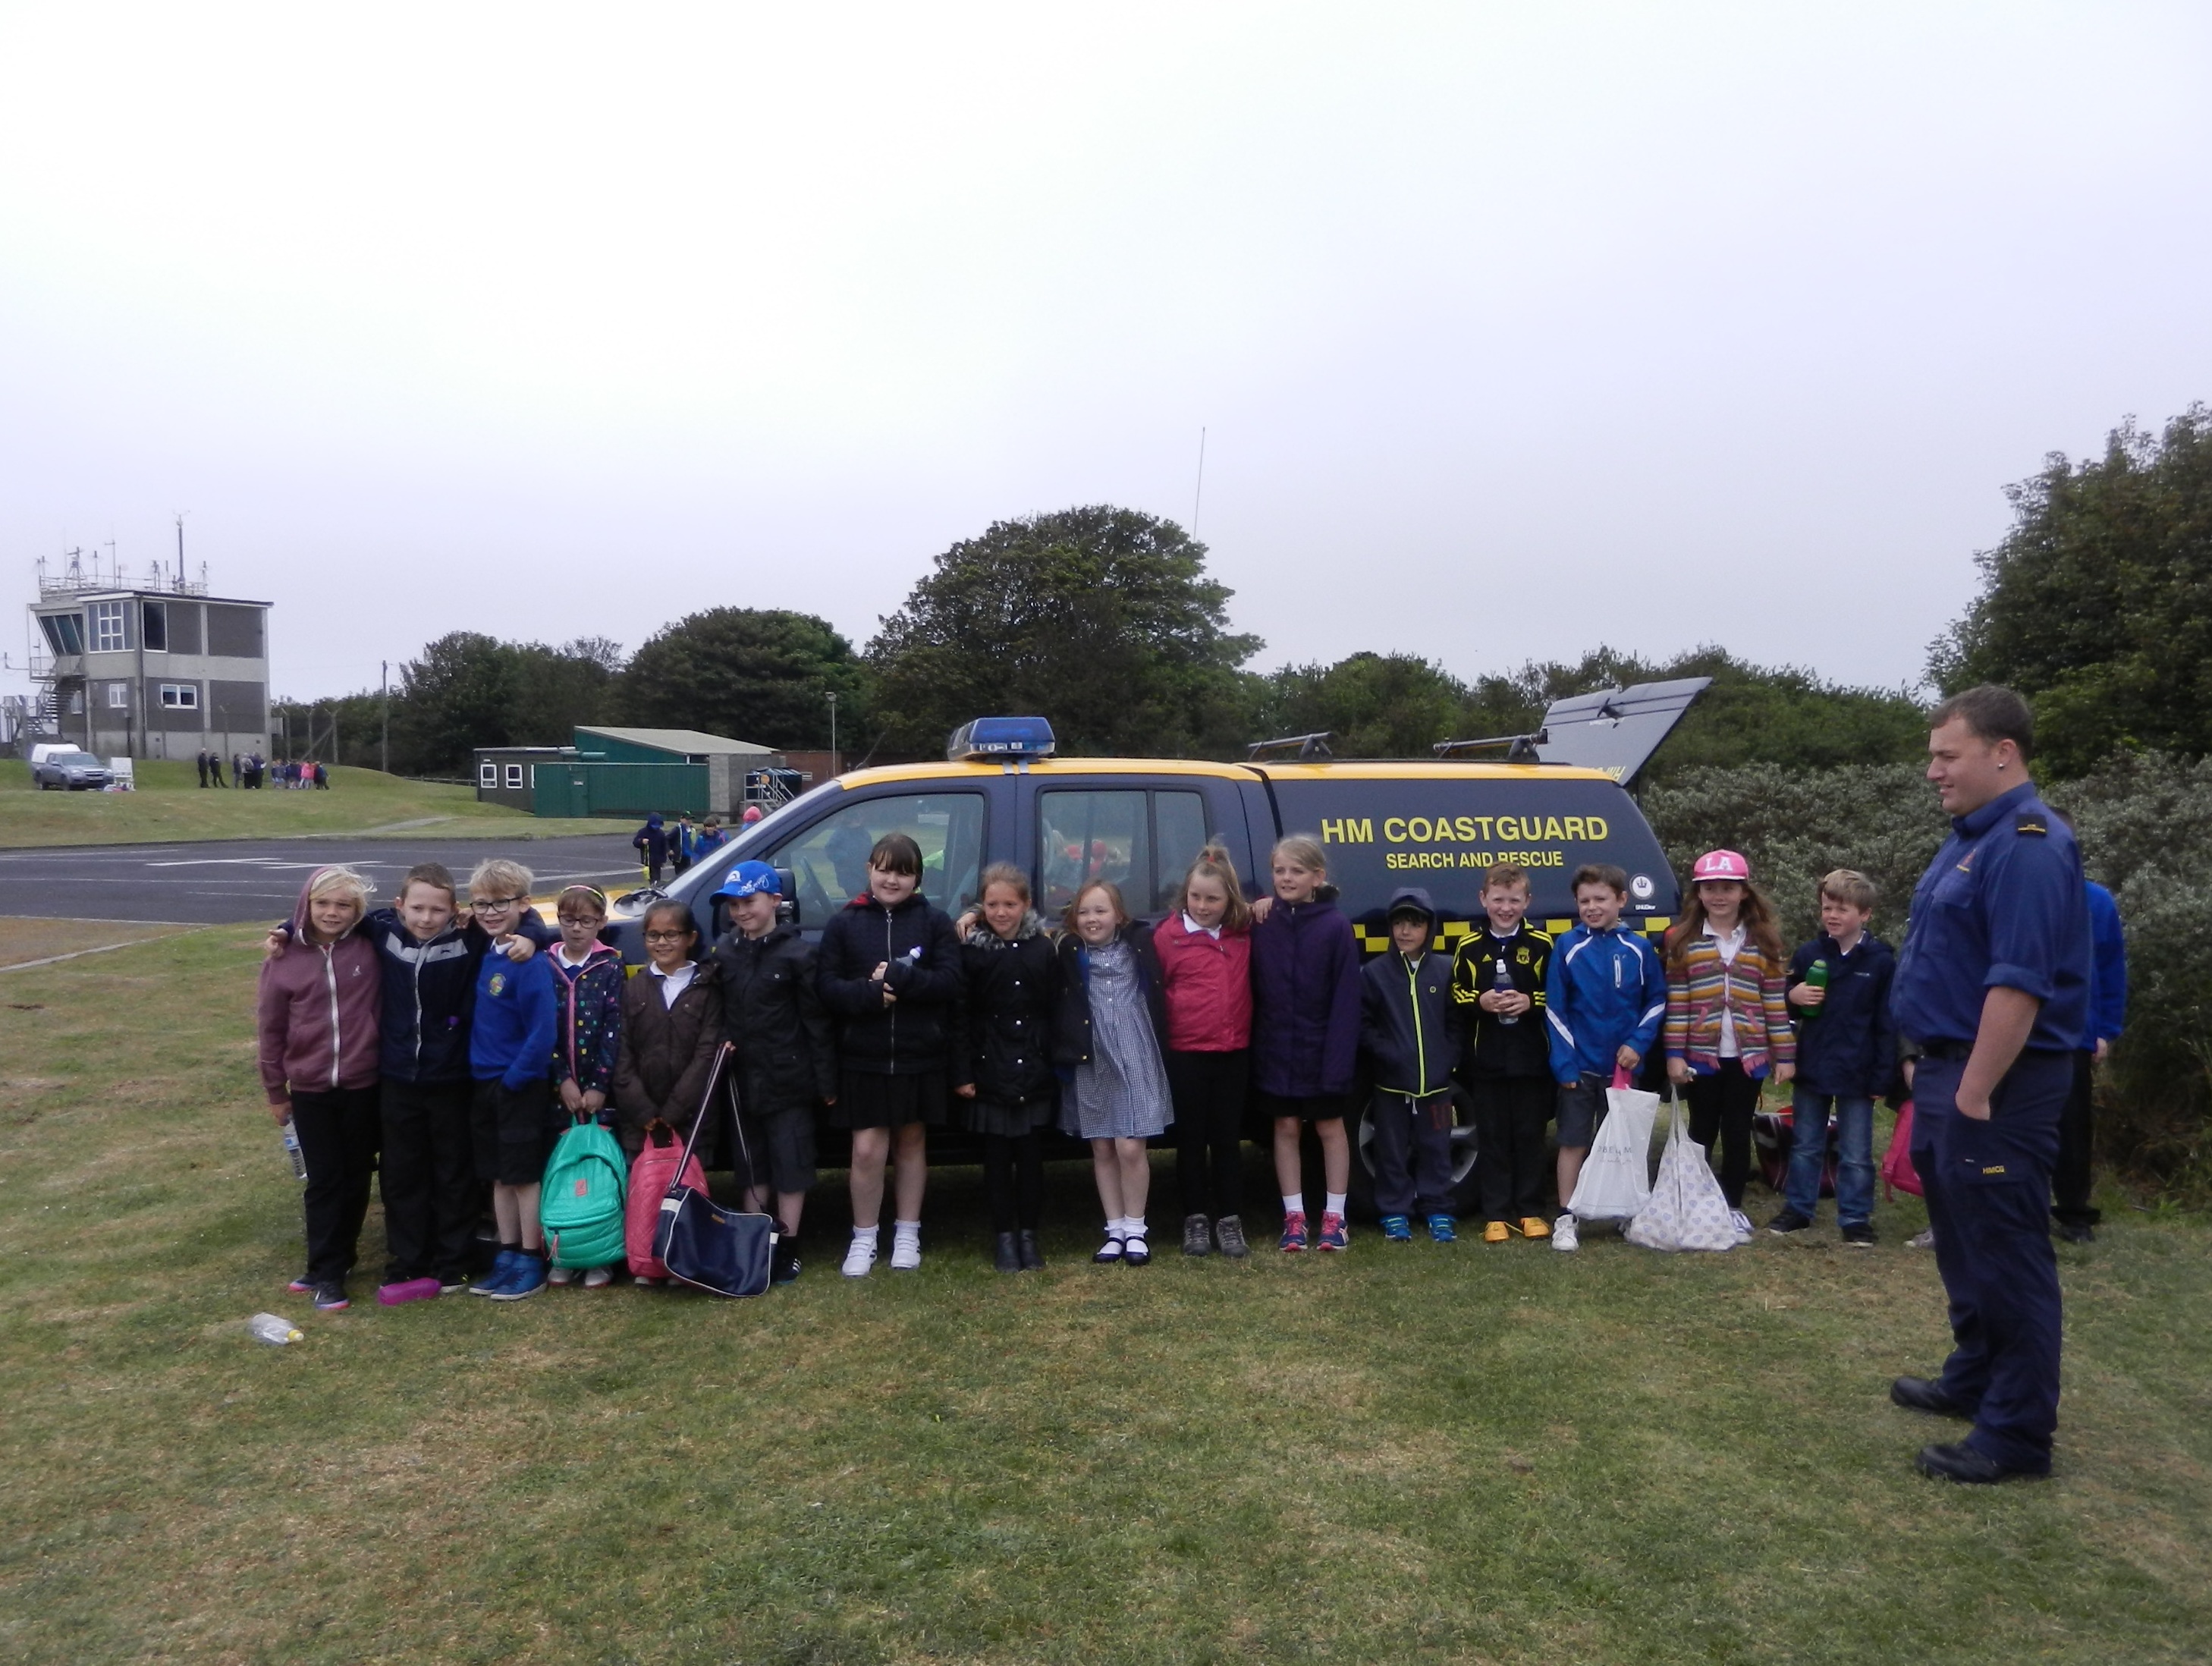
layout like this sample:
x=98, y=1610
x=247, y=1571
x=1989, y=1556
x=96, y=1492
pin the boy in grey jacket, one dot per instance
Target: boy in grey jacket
x=1411, y=1030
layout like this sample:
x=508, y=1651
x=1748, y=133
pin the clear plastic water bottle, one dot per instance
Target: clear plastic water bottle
x=292, y=1150
x=276, y=1331
x=1502, y=981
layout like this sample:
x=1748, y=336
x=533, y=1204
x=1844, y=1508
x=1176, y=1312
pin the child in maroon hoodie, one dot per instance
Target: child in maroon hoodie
x=319, y=1007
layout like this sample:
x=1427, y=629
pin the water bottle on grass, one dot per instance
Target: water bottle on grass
x=271, y=1329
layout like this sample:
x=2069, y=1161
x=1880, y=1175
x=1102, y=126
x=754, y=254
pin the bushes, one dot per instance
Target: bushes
x=2146, y=830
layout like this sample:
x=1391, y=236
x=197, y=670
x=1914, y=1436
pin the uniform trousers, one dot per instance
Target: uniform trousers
x=1988, y=1190
x=2070, y=1182
x=338, y=1134
x=431, y=1196
x=1412, y=1154
x=1208, y=1090
x=1510, y=1114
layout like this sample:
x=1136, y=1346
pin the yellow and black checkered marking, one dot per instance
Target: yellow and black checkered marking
x=1454, y=932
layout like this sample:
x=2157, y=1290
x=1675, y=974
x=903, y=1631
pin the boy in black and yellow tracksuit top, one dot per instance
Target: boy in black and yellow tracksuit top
x=1411, y=1030
x=1507, y=1067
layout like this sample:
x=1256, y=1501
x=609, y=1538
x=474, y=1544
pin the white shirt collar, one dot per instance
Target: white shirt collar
x=1197, y=930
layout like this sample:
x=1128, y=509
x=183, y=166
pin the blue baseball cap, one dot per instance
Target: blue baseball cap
x=749, y=880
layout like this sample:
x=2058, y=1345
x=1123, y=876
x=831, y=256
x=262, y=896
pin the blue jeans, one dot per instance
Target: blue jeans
x=1809, y=1115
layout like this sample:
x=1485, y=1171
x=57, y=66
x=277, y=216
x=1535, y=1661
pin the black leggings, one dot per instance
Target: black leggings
x=1208, y=1090
x=1013, y=1175
x=1721, y=1106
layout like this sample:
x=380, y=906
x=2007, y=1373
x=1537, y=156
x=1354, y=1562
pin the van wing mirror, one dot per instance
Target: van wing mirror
x=1616, y=730
x=786, y=885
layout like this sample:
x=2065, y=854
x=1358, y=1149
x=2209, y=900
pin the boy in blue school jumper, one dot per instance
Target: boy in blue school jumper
x=512, y=1119
x=1412, y=1031
x=1846, y=1057
x=1604, y=997
x=2074, y=1216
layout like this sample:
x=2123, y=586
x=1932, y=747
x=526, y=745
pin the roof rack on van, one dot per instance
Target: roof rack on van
x=1308, y=746
x=1615, y=730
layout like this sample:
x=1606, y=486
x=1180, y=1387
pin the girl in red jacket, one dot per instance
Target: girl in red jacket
x=319, y=1012
x=1205, y=947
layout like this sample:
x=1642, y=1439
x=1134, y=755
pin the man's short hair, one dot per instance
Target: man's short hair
x=1993, y=713
x=1849, y=886
x=1602, y=874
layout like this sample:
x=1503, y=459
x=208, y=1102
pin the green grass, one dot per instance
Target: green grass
x=170, y=806
x=1399, y=1455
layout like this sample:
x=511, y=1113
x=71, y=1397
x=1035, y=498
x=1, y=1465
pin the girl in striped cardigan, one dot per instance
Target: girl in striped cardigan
x=1728, y=1026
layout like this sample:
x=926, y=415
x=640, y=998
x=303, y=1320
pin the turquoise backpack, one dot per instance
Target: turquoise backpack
x=580, y=1204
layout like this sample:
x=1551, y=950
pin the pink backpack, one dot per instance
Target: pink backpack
x=1898, y=1174
x=652, y=1172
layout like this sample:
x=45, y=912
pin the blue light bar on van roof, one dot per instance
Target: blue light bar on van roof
x=1009, y=738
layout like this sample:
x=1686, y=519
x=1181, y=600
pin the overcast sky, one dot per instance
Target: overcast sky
x=1513, y=329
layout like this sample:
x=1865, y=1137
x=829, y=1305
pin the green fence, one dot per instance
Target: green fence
x=618, y=789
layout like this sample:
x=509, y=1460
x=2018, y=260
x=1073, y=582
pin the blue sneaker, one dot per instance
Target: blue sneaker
x=527, y=1279
x=1443, y=1228
x=502, y=1269
x=1396, y=1229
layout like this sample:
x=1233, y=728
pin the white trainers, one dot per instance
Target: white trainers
x=906, y=1252
x=860, y=1258
x=560, y=1275
x=1563, y=1234
x=597, y=1278
x=1741, y=1222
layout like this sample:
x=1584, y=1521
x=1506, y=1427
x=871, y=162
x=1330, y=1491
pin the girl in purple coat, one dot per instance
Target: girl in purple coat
x=1305, y=1031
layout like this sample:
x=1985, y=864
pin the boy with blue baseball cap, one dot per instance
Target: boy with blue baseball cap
x=783, y=1050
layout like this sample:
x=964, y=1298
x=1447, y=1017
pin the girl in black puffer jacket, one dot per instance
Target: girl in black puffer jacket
x=1013, y=979
x=888, y=968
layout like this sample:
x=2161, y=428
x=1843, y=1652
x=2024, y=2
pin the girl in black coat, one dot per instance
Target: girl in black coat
x=889, y=969
x=1013, y=975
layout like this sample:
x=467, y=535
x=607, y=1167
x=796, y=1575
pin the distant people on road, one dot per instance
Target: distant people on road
x=1993, y=984
x=651, y=843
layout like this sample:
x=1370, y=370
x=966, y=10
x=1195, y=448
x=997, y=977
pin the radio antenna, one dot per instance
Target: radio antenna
x=1200, y=493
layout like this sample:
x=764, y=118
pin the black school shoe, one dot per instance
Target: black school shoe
x=1008, y=1256
x=1787, y=1222
x=783, y=1265
x=1917, y=1393
x=1962, y=1463
x=1025, y=1246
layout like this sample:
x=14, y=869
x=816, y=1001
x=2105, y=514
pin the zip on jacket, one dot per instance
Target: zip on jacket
x=1605, y=990
x=1410, y=1027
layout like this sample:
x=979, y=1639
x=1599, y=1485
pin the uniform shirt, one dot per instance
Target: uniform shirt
x=2001, y=907
x=674, y=984
x=1730, y=944
x=2108, y=969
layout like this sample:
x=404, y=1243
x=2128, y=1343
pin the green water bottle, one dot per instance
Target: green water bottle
x=1816, y=978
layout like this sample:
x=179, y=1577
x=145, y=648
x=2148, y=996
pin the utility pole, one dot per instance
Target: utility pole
x=834, y=771
x=384, y=752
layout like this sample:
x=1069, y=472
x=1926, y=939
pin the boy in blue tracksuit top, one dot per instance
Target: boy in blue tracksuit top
x=1604, y=997
x=512, y=1120
x=1412, y=1031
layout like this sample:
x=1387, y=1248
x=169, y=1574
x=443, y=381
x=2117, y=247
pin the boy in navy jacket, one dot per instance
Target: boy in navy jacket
x=1604, y=997
x=1411, y=1030
x=1846, y=1057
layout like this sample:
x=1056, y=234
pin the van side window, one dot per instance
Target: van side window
x=1116, y=836
x=830, y=859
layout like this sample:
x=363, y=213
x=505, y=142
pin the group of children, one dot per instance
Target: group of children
x=453, y=1051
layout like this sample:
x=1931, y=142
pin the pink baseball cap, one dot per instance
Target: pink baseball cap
x=1720, y=865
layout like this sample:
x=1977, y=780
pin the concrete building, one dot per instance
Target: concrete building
x=152, y=671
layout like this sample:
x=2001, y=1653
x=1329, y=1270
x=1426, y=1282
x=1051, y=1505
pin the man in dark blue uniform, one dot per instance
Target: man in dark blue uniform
x=1993, y=982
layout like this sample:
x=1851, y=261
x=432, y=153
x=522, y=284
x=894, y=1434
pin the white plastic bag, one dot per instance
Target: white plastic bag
x=1616, y=1177
x=1688, y=1209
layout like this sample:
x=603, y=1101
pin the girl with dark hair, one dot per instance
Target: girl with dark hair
x=1013, y=976
x=889, y=969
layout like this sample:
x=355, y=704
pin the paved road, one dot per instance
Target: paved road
x=237, y=879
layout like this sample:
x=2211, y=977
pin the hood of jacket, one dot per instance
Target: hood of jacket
x=980, y=936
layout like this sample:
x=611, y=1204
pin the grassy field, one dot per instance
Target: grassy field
x=170, y=806
x=1399, y=1455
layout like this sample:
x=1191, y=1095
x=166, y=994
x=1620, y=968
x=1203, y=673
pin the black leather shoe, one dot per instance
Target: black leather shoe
x=2075, y=1232
x=1025, y=1246
x=1917, y=1393
x=1008, y=1259
x=1962, y=1463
